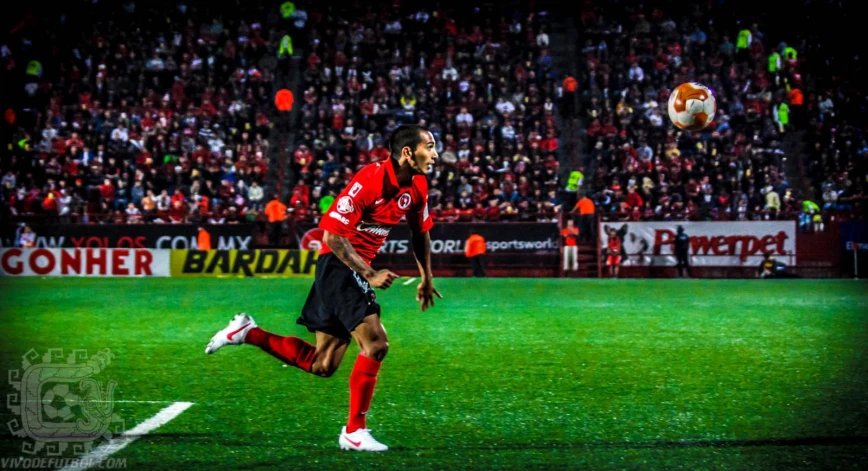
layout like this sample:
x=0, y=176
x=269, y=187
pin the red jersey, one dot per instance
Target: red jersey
x=570, y=235
x=614, y=246
x=372, y=204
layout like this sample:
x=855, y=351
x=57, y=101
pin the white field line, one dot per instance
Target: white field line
x=114, y=445
x=409, y=281
x=146, y=402
x=113, y=402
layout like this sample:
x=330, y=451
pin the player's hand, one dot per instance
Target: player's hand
x=425, y=293
x=383, y=279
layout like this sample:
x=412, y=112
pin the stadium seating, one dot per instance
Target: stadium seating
x=482, y=83
x=116, y=118
x=737, y=169
x=153, y=114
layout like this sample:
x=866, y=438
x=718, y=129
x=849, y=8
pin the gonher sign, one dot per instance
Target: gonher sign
x=84, y=262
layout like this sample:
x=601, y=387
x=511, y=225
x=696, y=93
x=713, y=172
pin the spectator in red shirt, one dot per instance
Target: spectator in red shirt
x=178, y=213
x=107, y=192
x=634, y=199
x=300, y=194
x=379, y=153
x=178, y=197
x=303, y=155
x=492, y=212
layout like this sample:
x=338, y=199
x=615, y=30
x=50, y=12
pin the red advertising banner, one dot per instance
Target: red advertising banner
x=723, y=244
x=84, y=262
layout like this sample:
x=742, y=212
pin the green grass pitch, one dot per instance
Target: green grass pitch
x=502, y=373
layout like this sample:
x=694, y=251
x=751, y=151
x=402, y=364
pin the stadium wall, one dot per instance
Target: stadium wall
x=98, y=262
x=719, y=250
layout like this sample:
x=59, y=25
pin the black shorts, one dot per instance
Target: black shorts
x=339, y=299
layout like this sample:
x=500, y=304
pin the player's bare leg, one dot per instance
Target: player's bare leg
x=371, y=337
x=329, y=354
x=374, y=345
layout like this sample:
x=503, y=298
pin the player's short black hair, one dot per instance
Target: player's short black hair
x=406, y=135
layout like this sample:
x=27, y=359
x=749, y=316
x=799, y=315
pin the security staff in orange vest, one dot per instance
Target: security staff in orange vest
x=797, y=101
x=585, y=208
x=569, y=95
x=474, y=250
x=275, y=211
x=204, y=240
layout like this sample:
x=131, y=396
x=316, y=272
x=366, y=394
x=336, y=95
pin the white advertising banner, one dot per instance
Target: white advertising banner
x=84, y=262
x=722, y=244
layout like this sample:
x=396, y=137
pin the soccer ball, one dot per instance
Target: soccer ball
x=692, y=106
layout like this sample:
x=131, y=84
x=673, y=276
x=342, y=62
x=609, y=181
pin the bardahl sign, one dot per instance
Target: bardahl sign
x=134, y=236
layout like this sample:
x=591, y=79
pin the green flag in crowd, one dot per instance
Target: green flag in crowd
x=325, y=203
x=573, y=182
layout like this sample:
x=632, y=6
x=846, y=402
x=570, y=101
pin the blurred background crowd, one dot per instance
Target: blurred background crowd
x=164, y=111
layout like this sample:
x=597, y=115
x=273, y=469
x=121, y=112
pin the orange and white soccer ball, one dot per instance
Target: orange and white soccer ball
x=692, y=106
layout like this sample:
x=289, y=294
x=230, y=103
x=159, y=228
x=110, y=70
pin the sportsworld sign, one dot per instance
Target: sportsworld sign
x=522, y=238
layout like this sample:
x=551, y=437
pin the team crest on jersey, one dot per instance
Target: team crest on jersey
x=404, y=201
x=345, y=205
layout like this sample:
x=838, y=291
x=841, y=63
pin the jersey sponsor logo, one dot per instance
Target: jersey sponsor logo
x=345, y=205
x=375, y=229
x=339, y=217
x=379, y=200
x=404, y=201
x=357, y=187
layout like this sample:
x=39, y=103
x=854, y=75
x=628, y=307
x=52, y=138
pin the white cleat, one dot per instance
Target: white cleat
x=360, y=440
x=233, y=334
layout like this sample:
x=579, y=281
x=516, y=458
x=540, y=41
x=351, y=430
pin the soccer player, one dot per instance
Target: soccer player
x=341, y=304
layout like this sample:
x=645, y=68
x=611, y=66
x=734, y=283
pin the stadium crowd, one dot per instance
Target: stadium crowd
x=148, y=114
x=164, y=113
x=157, y=114
x=481, y=82
x=646, y=169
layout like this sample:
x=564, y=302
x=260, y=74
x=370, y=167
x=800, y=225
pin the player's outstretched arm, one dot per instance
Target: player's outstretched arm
x=426, y=291
x=344, y=251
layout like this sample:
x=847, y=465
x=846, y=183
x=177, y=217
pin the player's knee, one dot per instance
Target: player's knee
x=324, y=369
x=377, y=350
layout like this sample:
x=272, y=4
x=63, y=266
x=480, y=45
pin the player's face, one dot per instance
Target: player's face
x=425, y=155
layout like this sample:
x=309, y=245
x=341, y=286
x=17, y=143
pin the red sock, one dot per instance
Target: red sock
x=291, y=350
x=363, y=379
